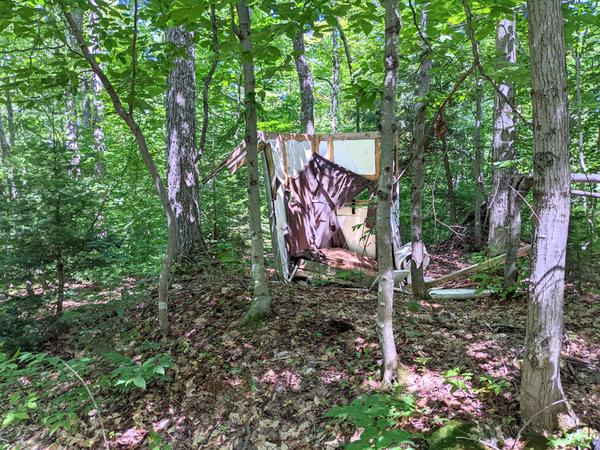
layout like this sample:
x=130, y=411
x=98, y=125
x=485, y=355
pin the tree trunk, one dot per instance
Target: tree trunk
x=449, y=184
x=540, y=379
x=350, y=71
x=335, y=81
x=129, y=119
x=307, y=100
x=520, y=185
x=580, y=136
x=60, y=286
x=503, y=142
x=261, y=302
x=479, y=177
x=385, y=297
x=182, y=171
x=418, y=176
x=4, y=144
x=71, y=135
x=580, y=133
x=10, y=115
x=208, y=79
x=97, y=113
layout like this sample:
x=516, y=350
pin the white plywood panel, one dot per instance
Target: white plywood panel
x=359, y=238
x=298, y=154
x=357, y=155
x=281, y=227
x=323, y=148
x=278, y=160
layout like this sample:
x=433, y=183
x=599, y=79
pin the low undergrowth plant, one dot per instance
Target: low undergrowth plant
x=46, y=390
x=36, y=387
x=379, y=416
x=131, y=374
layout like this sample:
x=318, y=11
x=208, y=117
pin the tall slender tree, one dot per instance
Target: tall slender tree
x=261, y=302
x=97, y=113
x=418, y=168
x=182, y=170
x=542, y=398
x=350, y=72
x=479, y=176
x=335, y=80
x=449, y=183
x=71, y=116
x=385, y=297
x=503, y=142
x=307, y=99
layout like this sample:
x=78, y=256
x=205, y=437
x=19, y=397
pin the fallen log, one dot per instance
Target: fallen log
x=585, y=193
x=487, y=264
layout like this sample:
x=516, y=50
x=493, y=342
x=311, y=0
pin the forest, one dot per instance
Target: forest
x=262, y=224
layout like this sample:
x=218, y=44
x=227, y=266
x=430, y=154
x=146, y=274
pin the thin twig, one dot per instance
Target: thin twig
x=423, y=38
x=528, y=422
x=106, y=445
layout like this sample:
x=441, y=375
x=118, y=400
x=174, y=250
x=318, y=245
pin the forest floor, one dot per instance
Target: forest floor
x=268, y=387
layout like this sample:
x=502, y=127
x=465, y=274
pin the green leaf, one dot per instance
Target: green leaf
x=14, y=416
x=140, y=382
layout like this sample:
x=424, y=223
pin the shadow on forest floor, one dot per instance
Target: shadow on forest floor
x=268, y=387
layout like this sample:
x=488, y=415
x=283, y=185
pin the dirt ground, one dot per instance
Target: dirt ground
x=268, y=387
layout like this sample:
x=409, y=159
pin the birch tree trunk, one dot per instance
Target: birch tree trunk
x=418, y=176
x=335, y=81
x=503, y=142
x=97, y=113
x=307, y=99
x=182, y=171
x=261, y=302
x=541, y=387
x=385, y=296
x=479, y=177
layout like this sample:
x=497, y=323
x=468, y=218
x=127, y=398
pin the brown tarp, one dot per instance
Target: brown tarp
x=312, y=199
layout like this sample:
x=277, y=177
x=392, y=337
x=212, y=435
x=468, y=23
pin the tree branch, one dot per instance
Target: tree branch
x=477, y=63
x=423, y=38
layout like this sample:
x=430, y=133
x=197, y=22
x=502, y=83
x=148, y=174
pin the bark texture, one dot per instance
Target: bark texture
x=479, y=176
x=418, y=175
x=182, y=171
x=307, y=99
x=503, y=141
x=261, y=302
x=542, y=398
x=385, y=297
